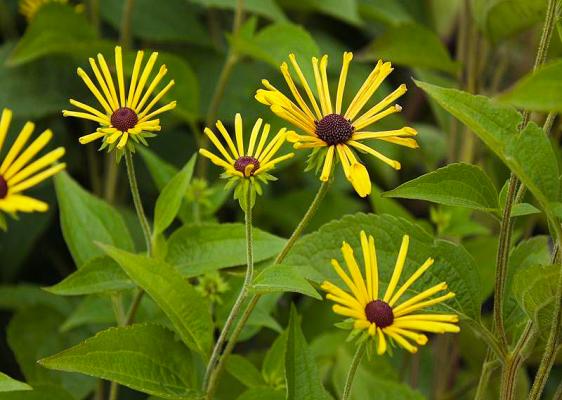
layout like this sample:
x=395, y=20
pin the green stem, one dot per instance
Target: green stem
x=111, y=178
x=125, y=34
x=231, y=60
x=514, y=362
x=113, y=391
x=359, y=353
x=489, y=366
x=558, y=393
x=209, y=383
x=94, y=13
x=253, y=300
x=137, y=201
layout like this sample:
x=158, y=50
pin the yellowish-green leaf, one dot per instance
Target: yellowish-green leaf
x=283, y=278
x=8, y=384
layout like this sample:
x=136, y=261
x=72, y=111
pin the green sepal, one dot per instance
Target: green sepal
x=346, y=324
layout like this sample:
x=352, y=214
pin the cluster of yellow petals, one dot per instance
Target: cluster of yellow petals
x=408, y=324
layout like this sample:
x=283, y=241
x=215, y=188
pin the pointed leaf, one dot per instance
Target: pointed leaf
x=86, y=219
x=169, y=201
x=185, y=307
x=283, y=278
x=8, y=384
x=144, y=357
x=462, y=185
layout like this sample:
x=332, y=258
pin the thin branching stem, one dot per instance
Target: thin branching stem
x=359, y=353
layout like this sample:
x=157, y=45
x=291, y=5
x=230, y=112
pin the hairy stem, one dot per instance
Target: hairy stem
x=138, y=202
x=209, y=381
x=514, y=362
x=359, y=353
x=253, y=300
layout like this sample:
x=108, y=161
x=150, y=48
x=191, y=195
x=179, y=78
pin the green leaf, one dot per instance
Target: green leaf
x=185, y=307
x=301, y=371
x=17, y=297
x=143, y=357
x=343, y=10
x=535, y=290
x=99, y=275
x=56, y=29
x=462, y=185
x=92, y=310
x=266, y=8
x=390, y=12
x=453, y=264
x=274, y=43
x=199, y=248
x=501, y=19
x=34, y=333
x=273, y=368
x=8, y=384
x=169, y=201
x=39, y=392
x=411, y=45
x=538, y=91
x=85, y=219
x=160, y=171
x=261, y=393
x=244, y=371
x=283, y=278
x=528, y=154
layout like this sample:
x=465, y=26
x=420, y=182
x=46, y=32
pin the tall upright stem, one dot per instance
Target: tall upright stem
x=137, y=201
x=253, y=300
x=513, y=363
x=126, y=34
x=209, y=381
x=359, y=353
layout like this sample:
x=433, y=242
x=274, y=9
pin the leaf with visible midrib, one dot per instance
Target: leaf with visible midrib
x=283, y=278
x=461, y=185
x=144, y=357
x=185, y=307
x=8, y=384
x=100, y=275
x=199, y=248
x=169, y=201
x=301, y=371
x=85, y=219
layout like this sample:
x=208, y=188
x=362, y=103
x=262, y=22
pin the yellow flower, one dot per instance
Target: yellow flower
x=327, y=127
x=28, y=8
x=17, y=170
x=388, y=317
x=249, y=162
x=125, y=114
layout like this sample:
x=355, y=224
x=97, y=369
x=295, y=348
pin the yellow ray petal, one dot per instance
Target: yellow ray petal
x=37, y=165
x=428, y=326
x=36, y=179
x=344, y=302
x=89, y=109
x=400, y=261
x=103, y=84
x=216, y=160
x=211, y=135
x=20, y=142
x=319, y=86
x=87, y=116
x=103, y=102
x=161, y=73
x=5, y=120
x=336, y=291
x=328, y=162
x=421, y=296
x=382, y=104
x=238, y=131
x=341, y=273
x=270, y=164
x=419, y=338
x=274, y=146
x=263, y=140
x=423, y=304
x=167, y=107
x=372, y=330
x=109, y=80
x=27, y=204
x=367, y=263
x=374, y=268
x=35, y=147
x=134, y=77
x=419, y=272
x=406, y=131
x=305, y=85
x=120, y=78
x=144, y=77
x=228, y=139
x=452, y=318
x=360, y=180
x=254, y=136
x=360, y=146
x=123, y=141
x=347, y=57
x=381, y=345
x=401, y=341
x=347, y=312
x=367, y=91
x=377, y=117
x=356, y=275
x=156, y=99
x=287, y=75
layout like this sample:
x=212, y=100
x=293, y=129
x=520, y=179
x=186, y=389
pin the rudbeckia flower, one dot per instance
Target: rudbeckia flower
x=247, y=164
x=332, y=132
x=18, y=171
x=392, y=317
x=125, y=114
x=28, y=8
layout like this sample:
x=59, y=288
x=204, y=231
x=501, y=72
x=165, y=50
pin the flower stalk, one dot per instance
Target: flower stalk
x=359, y=353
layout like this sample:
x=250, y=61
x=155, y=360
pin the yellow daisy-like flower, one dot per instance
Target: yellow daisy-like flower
x=17, y=170
x=325, y=124
x=28, y=8
x=125, y=114
x=247, y=162
x=387, y=316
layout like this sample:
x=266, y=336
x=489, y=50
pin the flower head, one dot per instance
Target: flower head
x=124, y=114
x=387, y=317
x=331, y=132
x=17, y=170
x=28, y=8
x=251, y=163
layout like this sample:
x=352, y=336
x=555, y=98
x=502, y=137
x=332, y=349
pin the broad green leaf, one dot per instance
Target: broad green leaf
x=390, y=12
x=522, y=209
x=453, y=264
x=160, y=170
x=85, y=219
x=344, y=10
x=16, y=297
x=273, y=368
x=244, y=371
x=301, y=371
x=34, y=333
x=184, y=306
x=462, y=185
x=91, y=311
x=143, y=357
x=274, y=43
x=199, y=248
x=385, y=205
x=100, y=275
x=56, y=28
x=501, y=19
x=535, y=290
x=528, y=154
x=411, y=45
x=169, y=201
x=46, y=391
x=266, y=8
x=8, y=384
x=538, y=91
x=261, y=393
x=171, y=21
x=283, y=278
